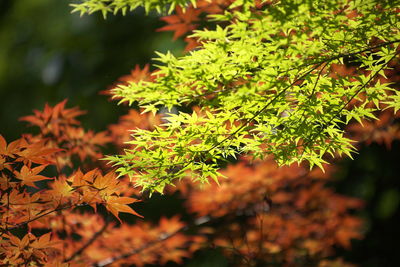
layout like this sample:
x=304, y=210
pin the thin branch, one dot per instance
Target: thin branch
x=264, y=108
x=326, y=61
x=42, y=215
x=260, y=244
x=317, y=62
x=348, y=102
x=237, y=251
x=198, y=222
x=349, y=54
x=311, y=95
x=161, y=238
x=89, y=242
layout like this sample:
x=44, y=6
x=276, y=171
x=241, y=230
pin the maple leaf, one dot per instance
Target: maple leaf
x=116, y=204
x=120, y=132
x=175, y=255
x=11, y=149
x=344, y=236
x=137, y=74
x=29, y=176
x=83, y=183
x=37, y=153
x=29, y=248
x=98, y=139
x=60, y=130
x=20, y=243
x=4, y=164
x=52, y=118
x=77, y=179
x=43, y=242
x=14, y=198
x=170, y=225
x=106, y=184
x=60, y=188
x=191, y=43
x=385, y=130
x=88, y=177
x=182, y=22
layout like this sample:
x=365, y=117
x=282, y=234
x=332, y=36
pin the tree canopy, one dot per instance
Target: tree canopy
x=264, y=80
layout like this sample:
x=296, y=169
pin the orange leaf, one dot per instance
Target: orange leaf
x=61, y=188
x=76, y=179
x=182, y=22
x=21, y=243
x=43, y=242
x=29, y=176
x=119, y=204
x=11, y=149
x=90, y=176
x=107, y=184
x=37, y=153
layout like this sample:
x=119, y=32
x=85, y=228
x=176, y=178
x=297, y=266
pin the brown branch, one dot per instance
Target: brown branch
x=198, y=222
x=40, y=216
x=161, y=238
x=89, y=242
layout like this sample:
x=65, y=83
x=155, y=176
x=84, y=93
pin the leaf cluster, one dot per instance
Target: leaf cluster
x=123, y=6
x=265, y=81
x=256, y=206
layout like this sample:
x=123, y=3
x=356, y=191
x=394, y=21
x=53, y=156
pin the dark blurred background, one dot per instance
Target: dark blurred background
x=48, y=54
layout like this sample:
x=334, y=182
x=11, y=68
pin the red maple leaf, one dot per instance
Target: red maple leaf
x=117, y=204
x=29, y=176
x=182, y=22
x=11, y=149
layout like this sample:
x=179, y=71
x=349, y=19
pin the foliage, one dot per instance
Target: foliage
x=51, y=226
x=114, y=6
x=262, y=214
x=22, y=163
x=265, y=80
x=57, y=197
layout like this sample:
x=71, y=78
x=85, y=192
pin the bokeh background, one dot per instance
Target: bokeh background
x=48, y=54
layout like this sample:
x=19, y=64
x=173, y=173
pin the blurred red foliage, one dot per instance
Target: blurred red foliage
x=259, y=214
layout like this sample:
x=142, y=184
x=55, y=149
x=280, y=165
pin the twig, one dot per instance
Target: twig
x=317, y=64
x=162, y=237
x=347, y=102
x=264, y=107
x=89, y=242
x=40, y=216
